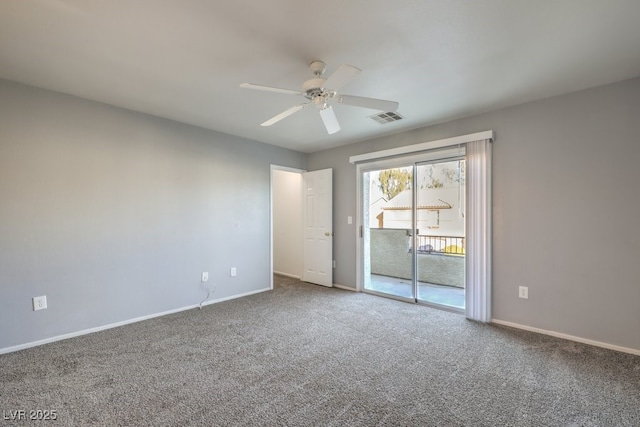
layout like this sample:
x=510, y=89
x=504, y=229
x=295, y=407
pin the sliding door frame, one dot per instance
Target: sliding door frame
x=434, y=156
x=461, y=156
x=481, y=308
x=401, y=162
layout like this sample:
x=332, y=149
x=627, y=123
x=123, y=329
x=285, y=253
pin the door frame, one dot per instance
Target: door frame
x=438, y=154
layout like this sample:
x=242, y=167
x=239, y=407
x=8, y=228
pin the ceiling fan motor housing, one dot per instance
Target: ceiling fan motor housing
x=313, y=88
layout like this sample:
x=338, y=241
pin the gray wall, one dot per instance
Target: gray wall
x=565, y=209
x=113, y=214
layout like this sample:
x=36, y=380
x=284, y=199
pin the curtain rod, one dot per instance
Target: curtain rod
x=423, y=146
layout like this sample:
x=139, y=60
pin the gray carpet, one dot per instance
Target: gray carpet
x=304, y=355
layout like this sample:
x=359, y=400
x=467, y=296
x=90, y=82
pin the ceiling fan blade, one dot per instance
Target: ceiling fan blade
x=375, y=104
x=330, y=120
x=343, y=75
x=269, y=89
x=284, y=114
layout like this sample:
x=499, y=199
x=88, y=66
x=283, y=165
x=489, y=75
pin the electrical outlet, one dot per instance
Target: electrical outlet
x=233, y=272
x=523, y=292
x=39, y=303
x=205, y=276
x=334, y=263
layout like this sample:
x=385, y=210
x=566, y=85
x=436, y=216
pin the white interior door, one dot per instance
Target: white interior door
x=318, y=227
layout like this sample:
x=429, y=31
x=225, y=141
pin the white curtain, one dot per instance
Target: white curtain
x=478, y=223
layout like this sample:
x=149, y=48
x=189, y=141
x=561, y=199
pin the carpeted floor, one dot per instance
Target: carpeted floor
x=304, y=355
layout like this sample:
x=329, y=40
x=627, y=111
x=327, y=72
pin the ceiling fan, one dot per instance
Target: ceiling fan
x=319, y=91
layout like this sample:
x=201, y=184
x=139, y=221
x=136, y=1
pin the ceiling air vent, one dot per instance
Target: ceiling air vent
x=384, y=118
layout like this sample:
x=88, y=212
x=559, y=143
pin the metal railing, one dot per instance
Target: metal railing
x=449, y=245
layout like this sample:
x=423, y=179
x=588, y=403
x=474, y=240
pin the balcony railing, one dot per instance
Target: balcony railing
x=449, y=245
x=391, y=255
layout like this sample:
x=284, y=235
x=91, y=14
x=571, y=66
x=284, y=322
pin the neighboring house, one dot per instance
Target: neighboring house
x=438, y=212
x=440, y=201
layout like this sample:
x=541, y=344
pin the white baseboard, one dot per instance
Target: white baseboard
x=568, y=337
x=293, y=276
x=346, y=288
x=122, y=323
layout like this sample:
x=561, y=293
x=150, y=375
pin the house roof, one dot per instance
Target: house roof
x=438, y=205
x=404, y=201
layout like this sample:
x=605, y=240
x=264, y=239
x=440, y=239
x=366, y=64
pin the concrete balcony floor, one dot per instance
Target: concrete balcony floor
x=449, y=296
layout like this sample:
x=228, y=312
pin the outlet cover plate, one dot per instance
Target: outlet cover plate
x=39, y=303
x=523, y=292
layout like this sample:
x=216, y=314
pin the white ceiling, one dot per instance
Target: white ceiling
x=440, y=59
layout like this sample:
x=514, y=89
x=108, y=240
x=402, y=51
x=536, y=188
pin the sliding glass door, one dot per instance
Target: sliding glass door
x=440, y=237
x=388, y=221
x=413, y=229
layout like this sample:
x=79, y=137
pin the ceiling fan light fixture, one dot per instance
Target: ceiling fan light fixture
x=320, y=101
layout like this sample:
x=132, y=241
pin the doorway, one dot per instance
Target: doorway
x=301, y=224
x=286, y=222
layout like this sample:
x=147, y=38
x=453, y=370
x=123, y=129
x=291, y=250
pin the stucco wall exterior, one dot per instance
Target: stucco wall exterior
x=391, y=256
